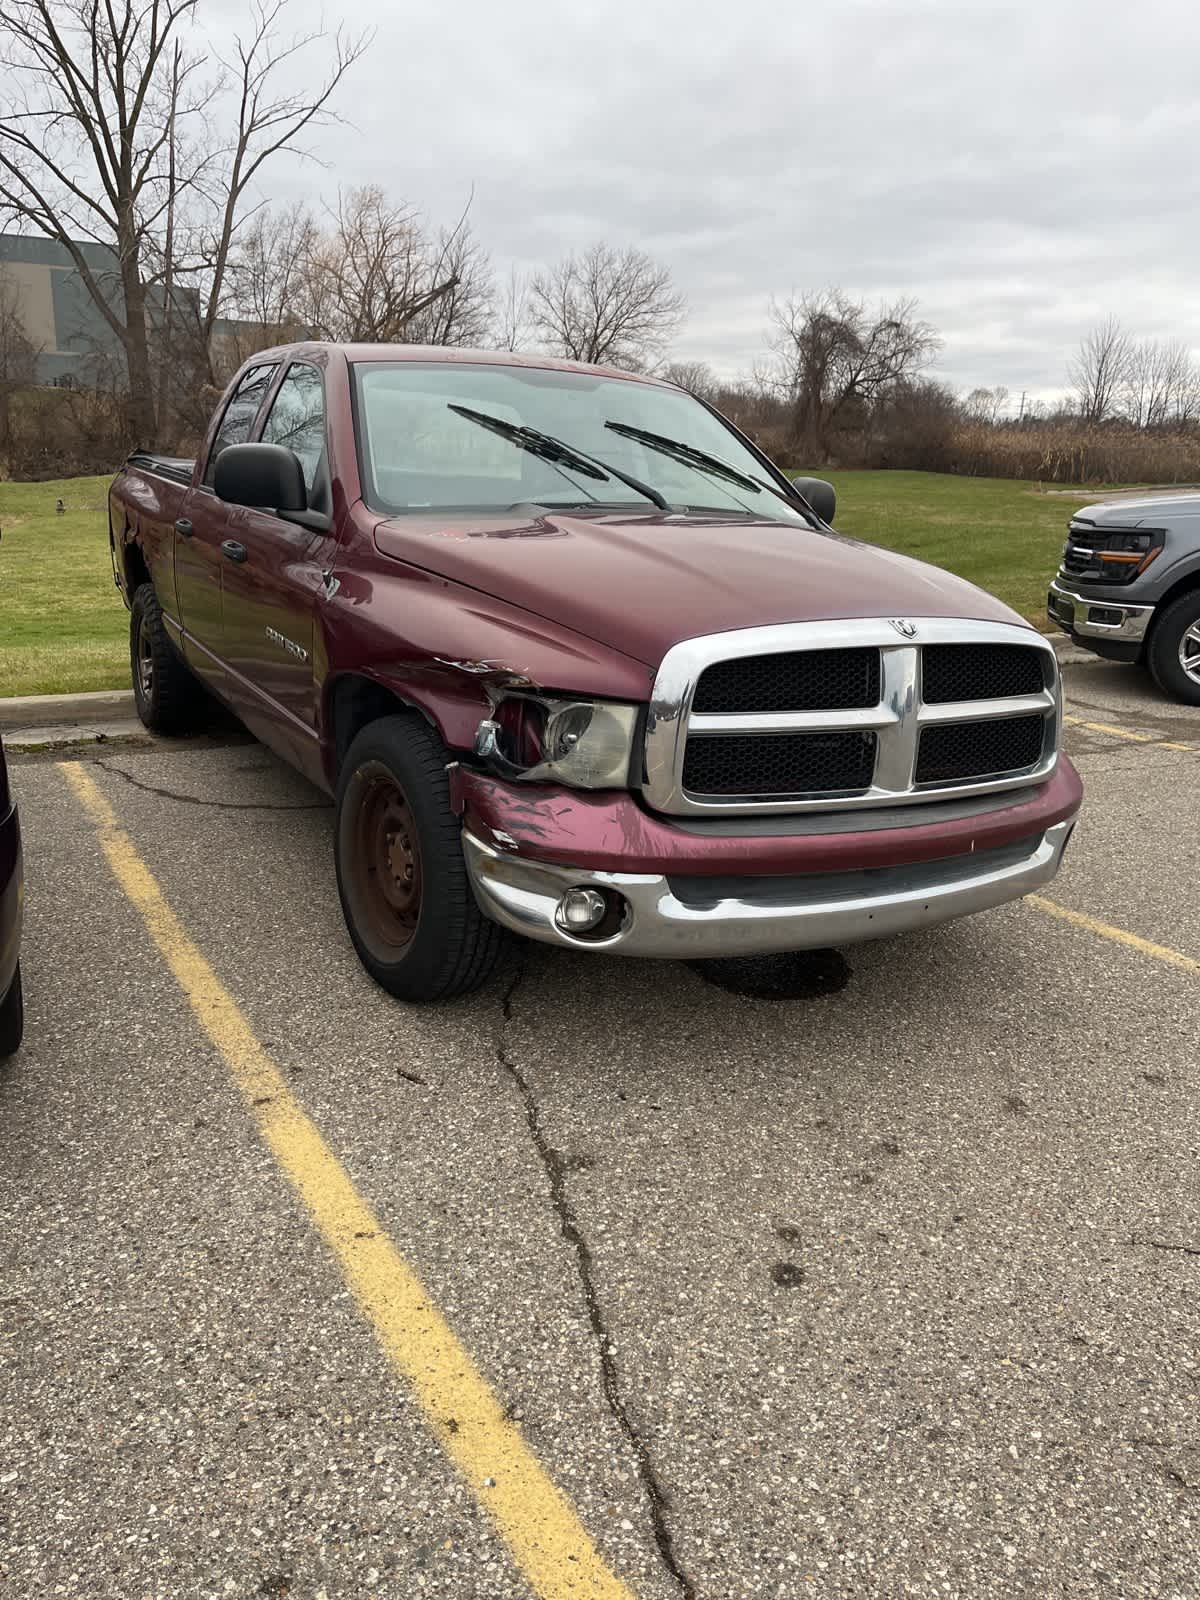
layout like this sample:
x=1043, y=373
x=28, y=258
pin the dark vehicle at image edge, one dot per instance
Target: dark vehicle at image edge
x=579, y=663
x=11, y=891
x=1129, y=587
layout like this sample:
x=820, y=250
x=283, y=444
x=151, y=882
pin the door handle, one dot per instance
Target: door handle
x=234, y=550
x=184, y=528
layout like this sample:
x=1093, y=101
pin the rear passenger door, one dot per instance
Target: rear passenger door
x=271, y=596
x=204, y=523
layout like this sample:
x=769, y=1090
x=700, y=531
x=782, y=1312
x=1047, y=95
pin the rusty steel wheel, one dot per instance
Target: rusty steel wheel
x=386, y=860
x=402, y=878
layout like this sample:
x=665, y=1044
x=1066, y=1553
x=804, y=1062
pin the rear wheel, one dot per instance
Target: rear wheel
x=1173, y=653
x=12, y=1017
x=167, y=696
x=401, y=876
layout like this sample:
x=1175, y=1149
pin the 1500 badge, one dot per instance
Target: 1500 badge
x=289, y=645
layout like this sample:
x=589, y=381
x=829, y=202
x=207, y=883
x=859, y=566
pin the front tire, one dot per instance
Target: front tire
x=1173, y=654
x=12, y=1017
x=167, y=696
x=403, y=883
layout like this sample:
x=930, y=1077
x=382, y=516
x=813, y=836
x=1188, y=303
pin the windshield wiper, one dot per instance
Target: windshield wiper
x=692, y=457
x=548, y=448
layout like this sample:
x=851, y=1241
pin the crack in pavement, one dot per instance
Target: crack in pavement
x=1164, y=1244
x=204, y=800
x=556, y=1173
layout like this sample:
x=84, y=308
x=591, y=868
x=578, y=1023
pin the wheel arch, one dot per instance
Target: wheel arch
x=1183, y=585
x=134, y=565
x=352, y=700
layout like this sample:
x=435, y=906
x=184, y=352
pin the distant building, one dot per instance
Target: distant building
x=75, y=344
x=72, y=339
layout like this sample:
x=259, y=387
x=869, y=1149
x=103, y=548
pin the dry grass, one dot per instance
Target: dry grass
x=1055, y=454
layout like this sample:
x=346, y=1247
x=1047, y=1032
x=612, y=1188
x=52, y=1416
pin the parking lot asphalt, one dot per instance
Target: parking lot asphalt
x=889, y=1291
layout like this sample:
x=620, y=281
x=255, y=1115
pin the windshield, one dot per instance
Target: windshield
x=419, y=453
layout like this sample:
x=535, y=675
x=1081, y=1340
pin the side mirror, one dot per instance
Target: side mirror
x=260, y=475
x=819, y=494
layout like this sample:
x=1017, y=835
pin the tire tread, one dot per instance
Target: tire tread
x=1162, y=652
x=473, y=944
x=12, y=1017
x=178, y=699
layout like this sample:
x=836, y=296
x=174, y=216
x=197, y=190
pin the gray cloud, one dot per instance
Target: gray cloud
x=1023, y=170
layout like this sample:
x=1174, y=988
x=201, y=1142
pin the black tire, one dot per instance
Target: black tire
x=12, y=1017
x=1171, y=628
x=167, y=696
x=401, y=876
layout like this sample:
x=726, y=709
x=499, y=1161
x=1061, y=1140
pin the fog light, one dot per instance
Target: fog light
x=580, y=910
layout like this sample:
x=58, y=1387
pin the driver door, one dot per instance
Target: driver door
x=271, y=594
x=204, y=524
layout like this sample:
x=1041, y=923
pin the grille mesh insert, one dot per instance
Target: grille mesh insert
x=979, y=672
x=779, y=764
x=979, y=749
x=798, y=680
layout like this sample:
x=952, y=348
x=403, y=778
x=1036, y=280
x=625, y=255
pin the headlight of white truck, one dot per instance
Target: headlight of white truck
x=587, y=744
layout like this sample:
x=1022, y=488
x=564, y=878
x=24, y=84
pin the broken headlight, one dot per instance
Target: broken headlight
x=584, y=743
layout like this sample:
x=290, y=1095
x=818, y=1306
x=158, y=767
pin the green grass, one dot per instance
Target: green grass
x=62, y=624
x=63, y=627
x=1005, y=536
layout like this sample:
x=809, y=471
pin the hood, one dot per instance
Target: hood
x=643, y=583
x=1148, y=511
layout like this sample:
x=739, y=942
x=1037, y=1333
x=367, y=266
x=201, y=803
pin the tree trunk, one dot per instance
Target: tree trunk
x=143, y=421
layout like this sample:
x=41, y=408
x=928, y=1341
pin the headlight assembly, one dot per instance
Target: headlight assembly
x=587, y=744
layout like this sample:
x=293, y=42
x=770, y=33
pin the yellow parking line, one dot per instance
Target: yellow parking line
x=1128, y=733
x=1160, y=952
x=542, y=1530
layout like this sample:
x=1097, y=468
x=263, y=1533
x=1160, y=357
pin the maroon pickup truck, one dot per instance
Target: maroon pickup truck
x=579, y=663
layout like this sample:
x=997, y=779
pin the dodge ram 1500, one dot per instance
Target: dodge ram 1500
x=578, y=662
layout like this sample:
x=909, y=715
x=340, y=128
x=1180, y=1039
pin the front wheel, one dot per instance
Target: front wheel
x=1173, y=654
x=401, y=876
x=12, y=1017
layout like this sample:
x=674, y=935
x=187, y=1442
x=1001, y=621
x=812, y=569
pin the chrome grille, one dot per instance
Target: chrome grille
x=780, y=718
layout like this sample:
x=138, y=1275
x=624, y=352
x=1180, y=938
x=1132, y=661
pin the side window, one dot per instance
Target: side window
x=297, y=418
x=239, y=414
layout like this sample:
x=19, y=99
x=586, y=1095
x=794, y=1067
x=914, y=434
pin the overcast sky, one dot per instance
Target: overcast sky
x=1021, y=169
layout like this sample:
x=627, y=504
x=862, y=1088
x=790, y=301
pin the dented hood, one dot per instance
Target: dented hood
x=642, y=583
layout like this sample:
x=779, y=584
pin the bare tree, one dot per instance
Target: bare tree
x=462, y=313
x=987, y=405
x=371, y=274
x=612, y=306
x=695, y=376
x=104, y=139
x=510, y=321
x=1099, y=371
x=18, y=355
x=1161, y=384
x=267, y=275
x=832, y=356
x=269, y=119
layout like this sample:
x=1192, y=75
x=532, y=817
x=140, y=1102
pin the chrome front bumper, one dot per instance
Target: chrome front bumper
x=683, y=917
x=1127, y=624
